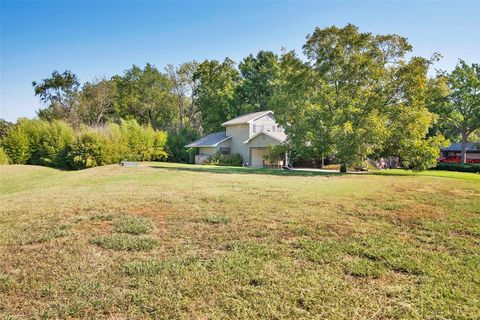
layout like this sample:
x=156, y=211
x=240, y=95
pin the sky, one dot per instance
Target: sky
x=103, y=38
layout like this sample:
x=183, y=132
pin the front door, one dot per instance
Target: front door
x=256, y=157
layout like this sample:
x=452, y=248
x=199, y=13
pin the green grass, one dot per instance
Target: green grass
x=132, y=225
x=165, y=241
x=217, y=219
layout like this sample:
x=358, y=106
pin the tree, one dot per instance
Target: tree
x=457, y=101
x=60, y=93
x=145, y=95
x=5, y=127
x=258, y=72
x=96, y=102
x=176, y=142
x=215, y=92
x=358, y=96
x=296, y=108
x=183, y=86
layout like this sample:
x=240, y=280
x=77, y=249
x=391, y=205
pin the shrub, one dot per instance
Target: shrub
x=16, y=145
x=38, y=142
x=3, y=157
x=467, y=167
x=143, y=143
x=275, y=152
x=219, y=159
x=56, y=144
x=89, y=150
x=176, y=145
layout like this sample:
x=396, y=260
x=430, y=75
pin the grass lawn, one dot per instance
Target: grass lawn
x=170, y=241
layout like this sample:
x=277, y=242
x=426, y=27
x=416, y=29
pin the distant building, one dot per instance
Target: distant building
x=453, y=153
x=248, y=135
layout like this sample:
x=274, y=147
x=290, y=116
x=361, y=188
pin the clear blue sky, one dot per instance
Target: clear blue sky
x=104, y=38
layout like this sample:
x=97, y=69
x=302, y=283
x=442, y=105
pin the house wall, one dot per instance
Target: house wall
x=262, y=141
x=258, y=147
x=239, y=133
x=470, y=155
x=207, y=151
x=212, y=150
x=266, y=123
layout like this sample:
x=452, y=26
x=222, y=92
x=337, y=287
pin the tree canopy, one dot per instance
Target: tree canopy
x=357, y=96
x=352, y=96
x=456, y=100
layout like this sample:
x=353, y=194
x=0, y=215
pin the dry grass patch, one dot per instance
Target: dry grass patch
x=176, y=242
x=126, y=242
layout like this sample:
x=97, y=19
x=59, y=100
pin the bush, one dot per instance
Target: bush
x=176, y=145
x=89, y=150
x=143, y=143
x=467, y=167
x=275, y=152
x=3, y=157
x=219, y=159
x=38, y=142
x=56, y=144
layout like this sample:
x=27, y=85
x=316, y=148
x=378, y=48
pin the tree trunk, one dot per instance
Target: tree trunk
x=343, y=168
x=463, y=157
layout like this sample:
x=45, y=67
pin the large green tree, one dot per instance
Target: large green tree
x=259, y=73
x=358, y=97
x=96, y=102
x=183, y=87
x=214, y=93
x=145, y=95
x=457, y=102
x=59, y=93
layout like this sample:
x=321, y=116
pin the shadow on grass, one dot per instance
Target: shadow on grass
x=243, y=170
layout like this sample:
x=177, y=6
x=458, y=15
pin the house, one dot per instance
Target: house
x=248, y=135
x=453, y=153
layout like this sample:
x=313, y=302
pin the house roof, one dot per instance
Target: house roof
x=246, y=118
x=277, y=135
x=210, y=140
x=471, y=146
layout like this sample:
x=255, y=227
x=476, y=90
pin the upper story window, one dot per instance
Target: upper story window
x=254, y=128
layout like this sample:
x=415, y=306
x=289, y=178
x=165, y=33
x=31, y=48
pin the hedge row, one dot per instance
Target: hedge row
x=219, y=159
x=56, y=144
x=467, y=167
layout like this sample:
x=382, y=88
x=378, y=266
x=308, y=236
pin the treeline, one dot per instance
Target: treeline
x=352, y=95
x=56, y=144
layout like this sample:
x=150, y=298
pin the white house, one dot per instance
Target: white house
x=248, y=135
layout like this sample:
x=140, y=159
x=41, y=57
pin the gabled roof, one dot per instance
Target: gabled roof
x=280, y=136
x=246, y=118
x=210, y=140
x=471, y=146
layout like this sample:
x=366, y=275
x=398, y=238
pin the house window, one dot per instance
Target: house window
x=254, y=128
x=225, y=150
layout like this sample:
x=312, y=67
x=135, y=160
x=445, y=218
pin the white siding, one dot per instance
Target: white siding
x=207, y=151
x=262, y=141
x=239, y=134
x=264, y=123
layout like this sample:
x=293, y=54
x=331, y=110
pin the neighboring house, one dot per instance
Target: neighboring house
x=453, y=153
x=248, y=135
